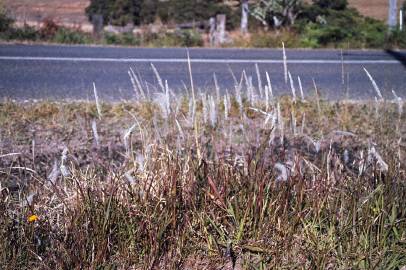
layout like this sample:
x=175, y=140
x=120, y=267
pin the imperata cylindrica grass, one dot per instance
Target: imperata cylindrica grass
x=292, y=87
x=374, y=84
x=285, y=63
x=170, y=180
x=96, y=97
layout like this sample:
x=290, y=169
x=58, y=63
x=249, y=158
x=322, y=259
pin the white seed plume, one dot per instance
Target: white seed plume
x=361, y=163
x=191, y=111
x=316, y=144
x=137, y=95
x=399, y=101
x=303, y=122
x=96, y=97
x=285, y=64
x=225, y=108
x=191, y=77
x=138, y=83
x=293, y=122
x=64, y=157
x=238, y=97
x=344, y=133
x=280, y=122
x=213, y=111
x=179, y=128
x=129, y=178
x=374, y=84
x=292, y=87
x=346, y=156
x=283, y=172
x=216, y=85
x=376, y=107
x=205, y=108
x=266, y=98
x=259, y=81
x=251, y=90
x=28, y=200
x=270, y=116
x=160, y=83
x=374, y=155
x=53, y=176
x=162, y=101
x=233, y=75
x=301, y=88
x=140, y=159
x=247, y=86
x=269, y=85
x=127, y=136
x=167, y=98
x=228, y=100
x=95, y=134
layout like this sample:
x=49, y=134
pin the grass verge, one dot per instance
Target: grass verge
x=205, y=183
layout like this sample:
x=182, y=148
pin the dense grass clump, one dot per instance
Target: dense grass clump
x=218, y=182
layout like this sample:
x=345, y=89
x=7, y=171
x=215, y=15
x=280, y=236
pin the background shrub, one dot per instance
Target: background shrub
x=127, y=39
x=5, y=21
x=68, y=36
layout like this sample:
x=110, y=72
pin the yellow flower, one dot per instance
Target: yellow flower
x=32, y=218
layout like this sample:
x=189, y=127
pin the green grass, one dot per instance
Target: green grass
x=181, y=193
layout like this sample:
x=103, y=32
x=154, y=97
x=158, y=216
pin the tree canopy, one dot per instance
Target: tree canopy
x=116, y=12
x=122, y=12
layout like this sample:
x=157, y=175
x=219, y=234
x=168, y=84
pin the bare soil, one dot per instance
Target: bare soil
x=68, y=12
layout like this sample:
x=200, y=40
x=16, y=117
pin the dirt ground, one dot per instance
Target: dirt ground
x=67, y=12
x=373, y=8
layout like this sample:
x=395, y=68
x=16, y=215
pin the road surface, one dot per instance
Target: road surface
x=68, y=72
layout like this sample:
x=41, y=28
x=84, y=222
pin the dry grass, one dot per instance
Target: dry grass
x=314, y=184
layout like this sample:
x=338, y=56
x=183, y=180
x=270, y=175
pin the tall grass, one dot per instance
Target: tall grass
x=203, y=182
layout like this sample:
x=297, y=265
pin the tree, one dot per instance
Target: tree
x=5, y=21
x=149, y=11
x=195, y=10
x=244, y=16
x=116, y=12
x=393, y=12
x=277, y=12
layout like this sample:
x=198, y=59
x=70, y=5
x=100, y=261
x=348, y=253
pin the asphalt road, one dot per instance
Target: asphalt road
x=68, y=72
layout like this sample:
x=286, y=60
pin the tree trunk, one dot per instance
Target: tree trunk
x=392, y=18
x=244, y=17
x=212, y=33
x=220, y=29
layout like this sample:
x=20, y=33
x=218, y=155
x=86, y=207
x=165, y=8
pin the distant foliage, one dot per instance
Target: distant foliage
x=122, y=12
x=116, y=12
x=320, y=26
x=277, y=12
x=194, y=10
x=70, y=36
x=49, y=29
x=5, y=21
